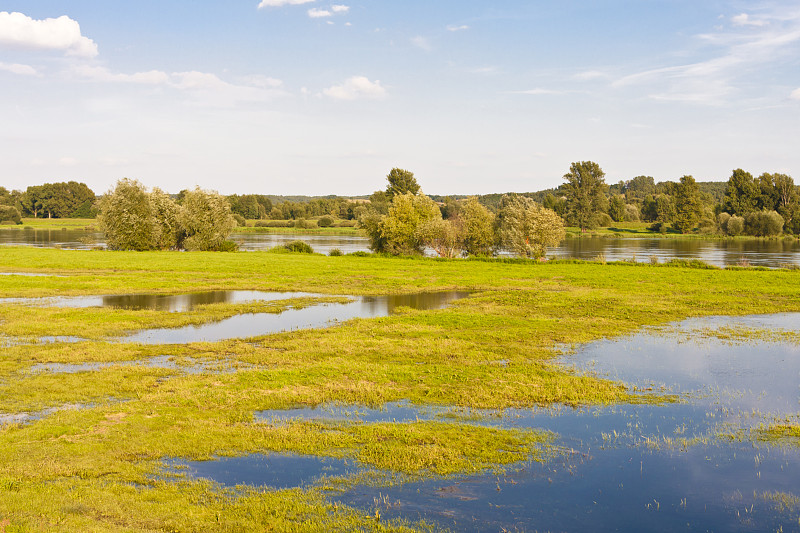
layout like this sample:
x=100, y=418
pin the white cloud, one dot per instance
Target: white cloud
x=16, y=68
x=421, y=43
x=67, y=162
x=339, y=8
x=462, y=27
x=745, y=20
x=795, y=94
x=281, y=3
x=727, y=60
x=20, y=31
x=315, y=13
x=590, y=75
x=355, y=88
x=153, y=77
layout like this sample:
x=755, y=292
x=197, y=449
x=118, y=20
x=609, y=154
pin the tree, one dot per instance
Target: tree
x=400, y=227
x=528, y=229
x=9, y=214
x=206, y=220
x=586, y=196
x=688, y=207
x=401, y=182
x=742, y=193
x=616, y=208
x=58, y=200
x=127, y=219
x=638, y=188
x=480, y=237
x=445, y=237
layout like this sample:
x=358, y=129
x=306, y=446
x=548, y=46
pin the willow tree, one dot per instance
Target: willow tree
x=528, y=229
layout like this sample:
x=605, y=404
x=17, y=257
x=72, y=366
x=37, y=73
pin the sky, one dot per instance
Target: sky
x=315, y=97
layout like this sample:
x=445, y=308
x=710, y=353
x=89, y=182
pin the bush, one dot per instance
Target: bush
x=240, y=221
x=722, y=222
x=347, y=224
x=272, y=224
x=335, y=252
x=302, y=223
x=632, y=213
x=604, y=220
x=325, y=222
x=299, y=247
x=735, y=226
x=528, y=229
x=660, y=227
x=763, y=223
x=10, y=215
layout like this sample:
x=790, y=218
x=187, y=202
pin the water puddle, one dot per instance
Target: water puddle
x=318, y=316
x=276, y=470
x=9, y=419
x=630, y=467
x=158, y=302
x=28, y=274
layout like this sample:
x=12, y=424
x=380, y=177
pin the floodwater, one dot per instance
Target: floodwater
x=769, y=253
x=245, y=325
x=624, y=468
x=314, y=316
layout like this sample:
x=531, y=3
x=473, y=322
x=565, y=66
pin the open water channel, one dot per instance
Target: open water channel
x=769, y=253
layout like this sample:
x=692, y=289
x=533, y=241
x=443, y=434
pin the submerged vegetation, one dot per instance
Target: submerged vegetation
x=85, y=448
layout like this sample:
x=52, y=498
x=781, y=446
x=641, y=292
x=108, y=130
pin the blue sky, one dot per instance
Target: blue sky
x=316, y=97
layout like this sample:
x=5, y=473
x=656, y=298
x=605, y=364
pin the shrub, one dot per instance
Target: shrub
x=735, y=226
x=240, y=221
x=763, y=223
x=527, y=228
x=299, y=247
x=302, y=223
x=335, y=252
x=205, y=219
x=604, y=220
x=10, y=215
x=632, y=213
x=722, y=222
x=325, y=222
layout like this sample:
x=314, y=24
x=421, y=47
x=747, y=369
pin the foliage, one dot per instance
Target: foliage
x=400, y=228
x=688, y=207
x=479, y=227
x=325, y=222
x=445, y=237
x=616, y=208
x=528, y=229
x=586, y=194
x=168, y=233
x=401, y=182
x=763, y=223
x=299, y=247
x=205, y=219
x=735, y=226
x=10, y=214
x=742, y=193
x=58, y=200
x=127, y=218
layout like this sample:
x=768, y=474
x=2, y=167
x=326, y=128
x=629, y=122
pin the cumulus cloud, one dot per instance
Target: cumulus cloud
x=64, y=34
x=94, y=73
x=339, y=8
x=315, y=13
x=356, y=88
x=462, y=27
x=795, y=94
x=16, y=68
x=280, y=3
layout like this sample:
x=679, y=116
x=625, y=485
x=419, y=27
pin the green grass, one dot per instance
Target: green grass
x=99, y=467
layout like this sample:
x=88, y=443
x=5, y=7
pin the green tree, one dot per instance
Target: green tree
x=586, y=194
x=688, y=205
x=127, y=219
x=9, y=214
x=445, y=237
x=479, y=227
x=528, y=229
x=401, y=182
x=616, y=208
x=206, y=220
x=742, y=193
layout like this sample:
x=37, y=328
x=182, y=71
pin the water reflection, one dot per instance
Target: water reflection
x=625, y=468
x=317, y=316
x=768, y=253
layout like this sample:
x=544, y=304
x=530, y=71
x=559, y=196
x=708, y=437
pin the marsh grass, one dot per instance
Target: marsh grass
x=100, y=468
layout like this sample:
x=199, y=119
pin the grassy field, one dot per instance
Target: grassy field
x=94, y=460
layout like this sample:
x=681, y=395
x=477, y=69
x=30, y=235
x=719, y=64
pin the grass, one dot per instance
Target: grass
x=99, y=467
